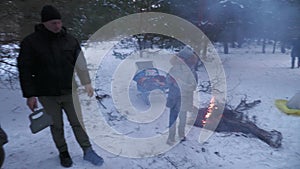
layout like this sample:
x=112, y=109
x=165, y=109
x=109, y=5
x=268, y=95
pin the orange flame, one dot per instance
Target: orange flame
x=209, y=110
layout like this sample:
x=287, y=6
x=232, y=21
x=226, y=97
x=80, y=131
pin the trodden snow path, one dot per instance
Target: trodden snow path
x=259, y=76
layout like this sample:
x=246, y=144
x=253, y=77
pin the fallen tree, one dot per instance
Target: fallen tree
x=235, y=120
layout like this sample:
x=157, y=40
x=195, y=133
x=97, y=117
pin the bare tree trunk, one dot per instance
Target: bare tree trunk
x=274, y=46
x=264, y=46
x=140, y=46
x=272, y=138
x=283, y=47
x=204, y=50
x=226, y=48
x=229, y=122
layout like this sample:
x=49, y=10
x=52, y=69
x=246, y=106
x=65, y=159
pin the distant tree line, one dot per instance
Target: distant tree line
x=234, y=21
x=230, y=22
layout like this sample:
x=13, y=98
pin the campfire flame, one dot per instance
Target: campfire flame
x=209, y=111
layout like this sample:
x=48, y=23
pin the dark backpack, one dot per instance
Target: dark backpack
x=3, y=137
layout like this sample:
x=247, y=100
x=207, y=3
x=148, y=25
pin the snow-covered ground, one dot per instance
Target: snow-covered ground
x=248, y=72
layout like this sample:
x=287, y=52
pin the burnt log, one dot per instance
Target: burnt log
x=233, y=121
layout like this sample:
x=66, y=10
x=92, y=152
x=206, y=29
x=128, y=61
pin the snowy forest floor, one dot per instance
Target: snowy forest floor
x=258, y=76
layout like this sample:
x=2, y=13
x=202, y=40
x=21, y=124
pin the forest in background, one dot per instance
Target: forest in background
x=232, y=23
x=221, y=20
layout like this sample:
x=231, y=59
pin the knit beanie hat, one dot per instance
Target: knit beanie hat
x=49, y=13
x=186, y=52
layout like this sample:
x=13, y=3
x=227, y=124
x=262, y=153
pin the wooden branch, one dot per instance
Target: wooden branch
x=2, y=61
x=13, y=73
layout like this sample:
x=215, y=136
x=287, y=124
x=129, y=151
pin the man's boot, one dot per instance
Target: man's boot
x=65, y=159
x=91, y=156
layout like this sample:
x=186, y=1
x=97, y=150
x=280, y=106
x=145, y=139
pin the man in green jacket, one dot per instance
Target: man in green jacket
x=46, y=64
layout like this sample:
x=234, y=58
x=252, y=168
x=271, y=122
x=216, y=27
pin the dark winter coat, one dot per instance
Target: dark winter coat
x=296, y=48
x=182, y=83
x=3, y=137
x=46, y=63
